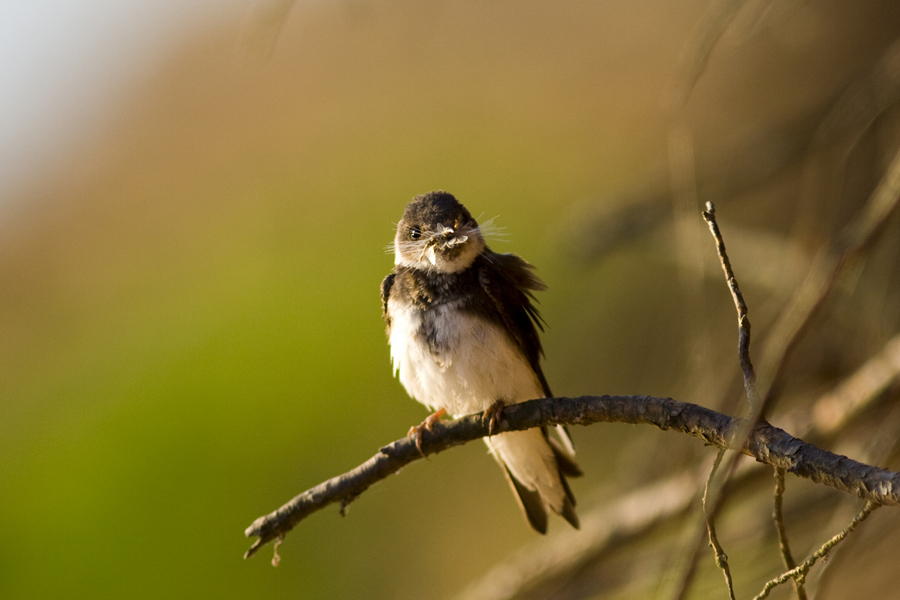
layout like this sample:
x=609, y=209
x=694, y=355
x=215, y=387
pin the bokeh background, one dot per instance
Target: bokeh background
x=195, y=206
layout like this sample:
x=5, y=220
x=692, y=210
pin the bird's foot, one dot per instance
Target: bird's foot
x=492, y=416
x=428, y=423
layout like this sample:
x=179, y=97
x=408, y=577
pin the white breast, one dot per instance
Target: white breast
x=478, y=364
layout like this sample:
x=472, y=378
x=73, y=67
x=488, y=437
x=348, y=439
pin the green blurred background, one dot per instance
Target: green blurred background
x=191, y=328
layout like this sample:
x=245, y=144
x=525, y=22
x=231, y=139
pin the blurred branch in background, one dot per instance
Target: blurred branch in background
x=697, y=50
x=852, y=240
x=821, y=140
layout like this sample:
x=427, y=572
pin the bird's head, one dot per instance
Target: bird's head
x=437, y=234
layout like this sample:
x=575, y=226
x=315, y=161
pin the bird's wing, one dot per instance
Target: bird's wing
x=386, y=285
x=508, y=280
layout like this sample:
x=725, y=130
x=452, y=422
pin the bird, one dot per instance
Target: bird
x=463, y=335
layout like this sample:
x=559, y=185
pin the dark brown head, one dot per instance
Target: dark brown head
x=437, y=233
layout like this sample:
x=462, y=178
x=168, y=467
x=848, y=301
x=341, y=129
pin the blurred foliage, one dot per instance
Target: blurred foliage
x=190, y=319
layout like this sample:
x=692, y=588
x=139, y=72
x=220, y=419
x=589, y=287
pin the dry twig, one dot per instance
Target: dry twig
x=852, y=240
x=709, y=215
x=783, y=543
x=721, y=557
x=799, y=573
x=712, y=493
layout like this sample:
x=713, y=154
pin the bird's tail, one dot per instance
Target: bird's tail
x=536, y=467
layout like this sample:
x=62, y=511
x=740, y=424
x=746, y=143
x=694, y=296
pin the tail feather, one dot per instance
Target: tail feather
x=568, y=511
x=567, y=467
x=530, y=502
x=565, y=462
x=536, y=468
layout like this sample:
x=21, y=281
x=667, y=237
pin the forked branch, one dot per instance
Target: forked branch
x=798, y=574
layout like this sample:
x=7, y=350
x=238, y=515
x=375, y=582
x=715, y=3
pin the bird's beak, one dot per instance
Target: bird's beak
x=451, y=238
x=445, y=238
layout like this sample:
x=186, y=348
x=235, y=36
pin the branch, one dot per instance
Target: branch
x=721, y=557
x=713, y=493
x=857, y=392
x=634, y=514
x=799, y=573
x=766, y=443
x=783, y=543
x=709, y=215
x=853, y=239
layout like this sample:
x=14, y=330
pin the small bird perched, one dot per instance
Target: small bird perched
x=464, y=339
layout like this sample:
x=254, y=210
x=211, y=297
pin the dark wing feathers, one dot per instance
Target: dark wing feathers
x=508, y=281
x=386, y=286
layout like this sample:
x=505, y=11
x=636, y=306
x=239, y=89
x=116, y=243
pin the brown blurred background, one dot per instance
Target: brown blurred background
x=190, y=328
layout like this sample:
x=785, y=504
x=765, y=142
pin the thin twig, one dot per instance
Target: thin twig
x=713, y=499
x=783, y=543
x=854, y=238
x=712, y=494
x=721, y=557
x=743, y=317
x=766, y=444
x=799, y=573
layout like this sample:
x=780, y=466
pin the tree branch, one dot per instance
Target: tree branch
x=633, y=514
x=766, y=443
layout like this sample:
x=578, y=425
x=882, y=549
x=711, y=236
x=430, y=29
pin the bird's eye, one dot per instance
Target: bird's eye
x=415, y=233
